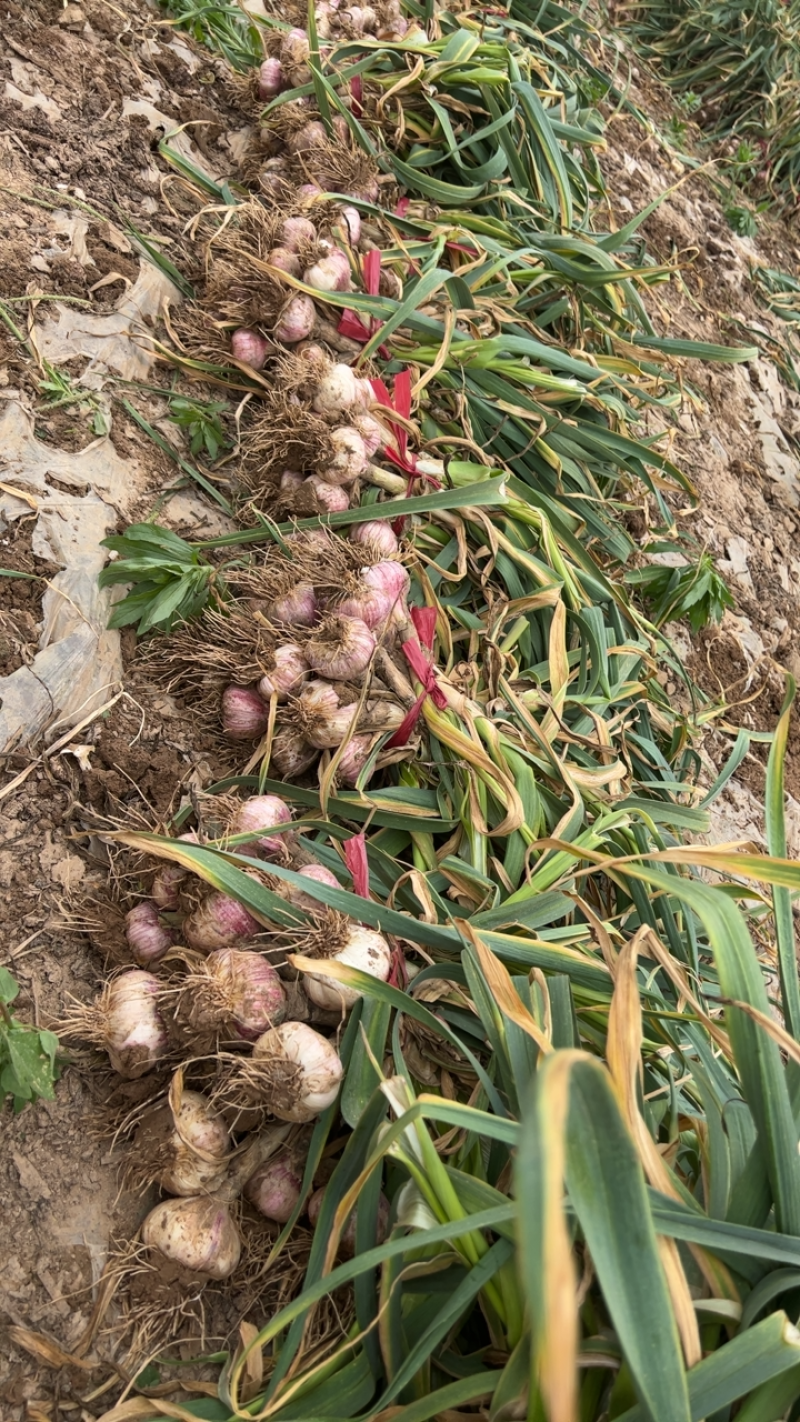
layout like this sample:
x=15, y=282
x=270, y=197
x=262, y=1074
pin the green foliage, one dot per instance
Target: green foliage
x=780, y=293
x=695, y=591
x=743, y=63
x=741, y=220
x=171, y=580
x=29, y=1064
x=745, y=159
x=202, y=423
x=225, y=27
x=677, y=130
x=689, y=102
x=59, y=391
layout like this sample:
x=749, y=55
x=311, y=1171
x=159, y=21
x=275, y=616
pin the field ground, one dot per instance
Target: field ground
x=86, y=91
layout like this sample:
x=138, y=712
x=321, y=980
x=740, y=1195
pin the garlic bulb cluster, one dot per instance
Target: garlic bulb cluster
x=218, y=922
x=126, y=1021
x=363, y=949
x=311, y=681
x=256, y=815
x=326, y=627
x=148, y=937
x=186, y=1143
x=235, y=992
x=300, y=1069
x=274, y=1189
x=198, y=1233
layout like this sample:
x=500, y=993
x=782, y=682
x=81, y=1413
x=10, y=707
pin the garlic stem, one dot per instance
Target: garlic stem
x=383, y=479
x=256, y=1150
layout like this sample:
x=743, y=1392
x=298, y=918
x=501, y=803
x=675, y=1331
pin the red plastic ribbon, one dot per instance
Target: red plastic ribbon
x=424, y=619
x=356, y=95
x=355, y=857
x=398, y=976
x=351, y=324
x=401, y=404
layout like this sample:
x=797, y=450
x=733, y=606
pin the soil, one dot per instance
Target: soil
x=20, y=598
x=74, y=171
x=746, y=516
x=78, y=163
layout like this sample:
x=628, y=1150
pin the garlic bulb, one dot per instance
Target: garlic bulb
x=353, y=759
x=387, y=578
x=349, y=456
x=275, y=1188
x=372, y=433
x=366, y=950
x=291, y=480
x=164, y=890
x=289, y=667
x=218, y=922
x=270, y=79
x=191, y=1143
x=328, y=731
x=274, y=174
x=303, y=1070
x=330, y=273
x=233, y=989
x=249, y=347
x=295, y=54
x=284, y=260
x=298, y=607
x=291, y=753
x=128, y=1023
x=244, y=715
x=294, y=895
x=148, y=938
x=296, y=321
x=341, y=648
x=312, y=135
x=336, y=391
x=330, y=497
x=351, y=222
x=318, y=698
x=197, y=1233
x=369, y=604
x=296, y=231
x=257, y=814
x=376, y=535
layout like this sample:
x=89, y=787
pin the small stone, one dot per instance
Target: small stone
x=72, y=18
x=30, y=1179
